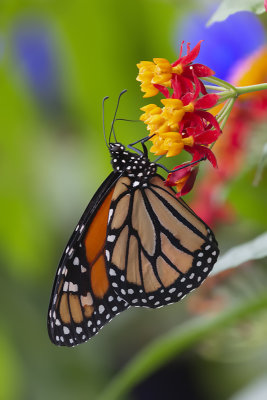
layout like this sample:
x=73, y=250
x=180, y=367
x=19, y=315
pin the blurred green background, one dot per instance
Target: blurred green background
x=58, y=60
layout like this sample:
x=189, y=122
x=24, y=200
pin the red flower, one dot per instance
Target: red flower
x=184, y=62
x=204, y=128
x=183, y=178
x=186, y=71
x=191, y=93
x=160, y=73
x=202, y=152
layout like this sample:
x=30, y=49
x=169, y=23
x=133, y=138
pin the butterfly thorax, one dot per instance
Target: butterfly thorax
x=135, y=166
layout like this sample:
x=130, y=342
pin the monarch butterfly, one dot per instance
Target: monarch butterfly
x=135, y=245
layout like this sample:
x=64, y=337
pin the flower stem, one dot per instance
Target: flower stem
x=220, y=82
x=252, y=88
x=227, y=112
x=213, y=87
x=227, y=94
x=224, y=113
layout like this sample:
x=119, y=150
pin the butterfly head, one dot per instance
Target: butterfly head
x=131, y=164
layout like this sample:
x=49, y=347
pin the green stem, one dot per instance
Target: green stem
x=229, y=109
x=225, y=112
x=174, y=343
x=227, y=94
x=252, y=88
x=219, y=82
x=221, y=113
x=213, y=87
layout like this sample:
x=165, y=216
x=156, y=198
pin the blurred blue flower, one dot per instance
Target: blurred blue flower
x=37, y=59
x=225, y=42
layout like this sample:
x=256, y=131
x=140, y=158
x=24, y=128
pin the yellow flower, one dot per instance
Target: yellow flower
x=146, y=74
x=158, y=72
x=173, y=112
x=170, y=143
x=166, y=119
x=162, y=72
x=153, y=118
x=163, y=124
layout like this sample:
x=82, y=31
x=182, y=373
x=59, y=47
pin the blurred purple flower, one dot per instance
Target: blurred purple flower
x=226, y=42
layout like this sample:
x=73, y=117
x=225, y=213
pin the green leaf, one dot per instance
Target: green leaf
x=249, y=201
x=229, y=7
x=260, y=168
x=11, y=382
x=173, y=343
x=252, y=250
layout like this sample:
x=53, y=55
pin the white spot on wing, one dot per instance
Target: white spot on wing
x=101, y=309
x=73, y=287
x=76, y=261
x=87, y=300
x=71, y=252
x=112, y=272
x=111, y=238
x=110, y=214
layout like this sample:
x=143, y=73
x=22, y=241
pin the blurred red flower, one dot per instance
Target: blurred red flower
x=232, y=148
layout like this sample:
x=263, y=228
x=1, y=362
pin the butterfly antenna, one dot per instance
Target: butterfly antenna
x=115, y=114
x=128, y=120
x=103, y=116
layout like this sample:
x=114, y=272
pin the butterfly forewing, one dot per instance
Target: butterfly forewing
x=159, y=250
x=82, y=299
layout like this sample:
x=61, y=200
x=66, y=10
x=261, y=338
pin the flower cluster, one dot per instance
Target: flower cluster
x=183, y=123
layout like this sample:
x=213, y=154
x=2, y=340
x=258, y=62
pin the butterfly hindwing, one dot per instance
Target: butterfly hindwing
x=159, y=250
x=82, y=299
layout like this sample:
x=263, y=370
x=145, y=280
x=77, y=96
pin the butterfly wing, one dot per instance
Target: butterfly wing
x=158, y=248
x=82, y=300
